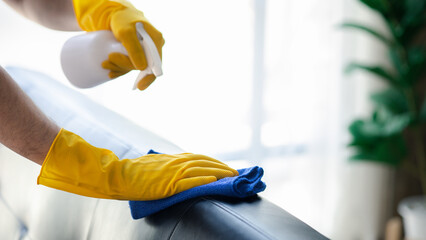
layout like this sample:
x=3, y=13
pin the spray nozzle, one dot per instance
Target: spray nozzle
x=151, y=54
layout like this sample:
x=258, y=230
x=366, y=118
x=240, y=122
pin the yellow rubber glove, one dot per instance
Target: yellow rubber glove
x=75, y=166
x=119, y=64
x=120, y=17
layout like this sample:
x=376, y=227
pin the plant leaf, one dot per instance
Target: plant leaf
x=376, y=70
x=379, y=5
x=390, y=150
x=396, y=124
x=413, y=10
x=397, y=61
x=391, y=99
x=416, y=55
x=369, y=30
x=369, y=132
x=364, y=132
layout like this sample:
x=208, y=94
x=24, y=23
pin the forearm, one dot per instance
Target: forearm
x=23, y=127
x=54, y=14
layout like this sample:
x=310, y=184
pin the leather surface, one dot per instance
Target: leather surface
x=28, y=211
x=230, y=218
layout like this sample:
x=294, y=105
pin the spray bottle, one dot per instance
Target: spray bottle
x=82, y=56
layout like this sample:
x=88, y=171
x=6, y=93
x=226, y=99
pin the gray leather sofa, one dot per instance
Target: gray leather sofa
x=28, y=211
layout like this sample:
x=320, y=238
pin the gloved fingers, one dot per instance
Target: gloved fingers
x=156, y=36
x=121, y=61
x=190, y=157
x=146, y=81
x=131, y=43
x=235, y=172
x=187, y=183
x=219, y=173
x=190, y=160
x=196, y=167
x=199, y=156
x=207, y=163
x=117, y=62
x=114, y=74
x=107, y=64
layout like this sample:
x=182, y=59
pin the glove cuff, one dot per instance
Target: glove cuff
x=48, y=155
x=73, y=165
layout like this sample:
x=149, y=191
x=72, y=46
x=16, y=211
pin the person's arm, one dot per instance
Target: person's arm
x=67, y=159
x=23, y=127
x=54, y=14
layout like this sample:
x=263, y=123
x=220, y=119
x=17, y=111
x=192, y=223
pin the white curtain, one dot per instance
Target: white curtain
x=249, y=82
x=363, y=190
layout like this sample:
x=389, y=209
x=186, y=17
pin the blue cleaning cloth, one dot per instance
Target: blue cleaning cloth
x=246, y=184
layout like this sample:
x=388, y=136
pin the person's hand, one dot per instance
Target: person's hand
x=120, y=17
x=119, y=64
x=75, y=166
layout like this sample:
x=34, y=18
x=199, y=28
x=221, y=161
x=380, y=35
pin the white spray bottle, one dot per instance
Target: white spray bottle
x=82, y=56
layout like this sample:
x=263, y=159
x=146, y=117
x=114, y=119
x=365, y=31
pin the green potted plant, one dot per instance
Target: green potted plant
x=395, y=132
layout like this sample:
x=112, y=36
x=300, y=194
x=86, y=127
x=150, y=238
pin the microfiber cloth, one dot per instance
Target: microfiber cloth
x=246, y=184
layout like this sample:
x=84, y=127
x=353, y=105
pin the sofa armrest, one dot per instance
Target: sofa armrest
x=57, y=212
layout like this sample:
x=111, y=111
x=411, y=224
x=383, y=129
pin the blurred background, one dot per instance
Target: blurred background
x=256, y=82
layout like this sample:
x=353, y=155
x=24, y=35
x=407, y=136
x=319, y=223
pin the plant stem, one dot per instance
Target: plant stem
x=409, y=92
x=419, y=146
x=420, y=152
